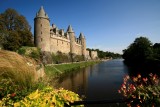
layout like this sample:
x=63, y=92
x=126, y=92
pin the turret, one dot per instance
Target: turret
x=83, y=42
x=42, y=30
x=72, y=39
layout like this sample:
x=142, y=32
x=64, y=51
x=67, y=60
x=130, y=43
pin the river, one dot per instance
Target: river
x=97, y=82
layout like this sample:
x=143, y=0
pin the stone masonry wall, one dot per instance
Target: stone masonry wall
x=59, y=44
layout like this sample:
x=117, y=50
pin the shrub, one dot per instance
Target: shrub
x=44, y=98
x=17, y=68
x=141, y=92
x=32, y=52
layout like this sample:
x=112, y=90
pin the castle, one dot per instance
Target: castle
x=51, y=39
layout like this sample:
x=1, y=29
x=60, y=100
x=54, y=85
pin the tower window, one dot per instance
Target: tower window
x=41, y=39
x=62, y=42
x=41, y=25
x=41, y=32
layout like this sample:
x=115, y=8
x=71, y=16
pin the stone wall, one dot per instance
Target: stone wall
x=78, y=49
x=51, y=39
x=94, y=54
x=59, y=44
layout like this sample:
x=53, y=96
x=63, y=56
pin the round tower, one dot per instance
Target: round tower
x=42, y=30
x=83, y=42
x=72, y=39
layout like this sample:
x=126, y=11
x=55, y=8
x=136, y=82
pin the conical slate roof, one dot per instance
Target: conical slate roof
x=70, y=29
x=41, y=13
x=81, y=35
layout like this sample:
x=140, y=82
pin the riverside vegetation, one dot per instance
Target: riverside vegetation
x=143, y=90
x=21, y=80
x=23, y=85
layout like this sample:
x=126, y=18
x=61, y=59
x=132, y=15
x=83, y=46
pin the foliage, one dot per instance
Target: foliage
x=105, y=55
x=17, y=68
x=78, y=58
x=142, y=52
x=32, y=52
x=11, y=41
x=156, y=51
x=60, y=57
x=18, y=84
x=141, y=92
x=44, y=98
x=14, y=30
x=9, y=88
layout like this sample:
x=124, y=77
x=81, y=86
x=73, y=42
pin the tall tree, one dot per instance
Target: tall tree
x=14, y=24
x=139, y=51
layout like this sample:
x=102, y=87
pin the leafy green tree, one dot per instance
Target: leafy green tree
x=12, y=41
x=156, y=50
x=139, y=51
x=14, y=24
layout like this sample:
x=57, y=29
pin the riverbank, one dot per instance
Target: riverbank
x=21, y=85
x=55, y=70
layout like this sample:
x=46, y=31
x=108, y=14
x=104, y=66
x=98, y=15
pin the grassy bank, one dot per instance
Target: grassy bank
x=21, y=87
x=57, y=70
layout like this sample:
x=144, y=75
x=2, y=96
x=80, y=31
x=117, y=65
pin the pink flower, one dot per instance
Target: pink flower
x=145, y=79
x=119, y=91
x=135, y=79
x=127, y=77
x=123, y=85
x=13, y=94
x=139, y=76
x=132, y=87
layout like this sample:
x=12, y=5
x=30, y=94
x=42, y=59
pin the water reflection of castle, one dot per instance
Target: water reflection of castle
x=77, y=81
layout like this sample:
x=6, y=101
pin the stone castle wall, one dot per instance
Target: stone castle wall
x=59, y=44
x=94, y=54
x=51, y=39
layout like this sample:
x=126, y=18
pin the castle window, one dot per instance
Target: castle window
x=41, y=25
x=41, y=32
x=41, y=39
x=62, y=42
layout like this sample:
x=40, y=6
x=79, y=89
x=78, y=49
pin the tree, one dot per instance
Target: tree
x=12, y=41
x=156, y=50
x=12, y=23
x=138, y=52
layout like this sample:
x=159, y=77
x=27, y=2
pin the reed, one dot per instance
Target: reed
x=19, y=69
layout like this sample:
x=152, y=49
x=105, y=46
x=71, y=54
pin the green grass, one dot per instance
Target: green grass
x=56, y=70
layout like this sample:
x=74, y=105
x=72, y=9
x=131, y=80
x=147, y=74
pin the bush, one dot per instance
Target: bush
x=42, y=98
x=141, y=92
x=32, y=52
x=17, y=68
x=35, y=54
x=60, y=57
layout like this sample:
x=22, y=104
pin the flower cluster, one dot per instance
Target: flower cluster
x=141, y=91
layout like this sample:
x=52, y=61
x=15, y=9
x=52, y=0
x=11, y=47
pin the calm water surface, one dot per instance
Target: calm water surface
x=97, y=82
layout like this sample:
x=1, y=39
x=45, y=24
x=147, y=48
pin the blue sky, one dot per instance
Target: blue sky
x=110, y=25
